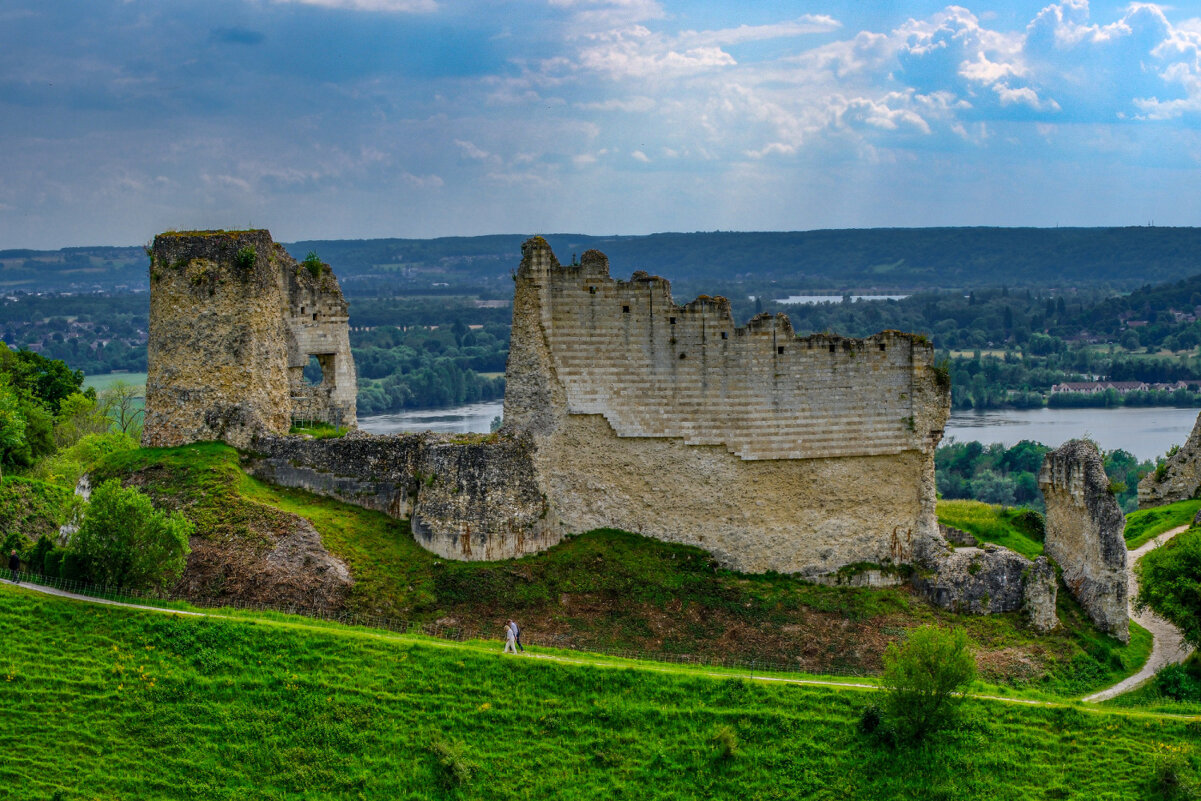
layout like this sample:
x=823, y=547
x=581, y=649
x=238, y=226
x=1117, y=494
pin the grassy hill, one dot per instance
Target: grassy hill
x=615, y=591
x=106, y=703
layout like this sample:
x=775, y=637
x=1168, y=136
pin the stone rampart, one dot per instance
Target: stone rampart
x=1180, y=477
x=233, y=322
x=464, y=500
x=1084, y=534
x=770, y=451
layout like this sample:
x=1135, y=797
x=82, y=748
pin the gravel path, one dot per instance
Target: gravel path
x=1168, y=646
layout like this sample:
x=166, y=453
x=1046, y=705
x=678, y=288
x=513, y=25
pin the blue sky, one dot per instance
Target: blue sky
x=418, y=118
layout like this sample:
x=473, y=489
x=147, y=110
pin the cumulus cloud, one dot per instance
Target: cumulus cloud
x=402, y=6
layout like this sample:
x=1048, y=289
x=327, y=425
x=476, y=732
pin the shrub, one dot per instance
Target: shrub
x=313, y=264
x=1170, y=583
x=36, y=558
x=1176, y=779
x=454, y=768
x=73, y=567
x=124, y=541
x=1179, y=683
x=922, y=676
x=246, y=257
x=725, y=743
x=53, y=565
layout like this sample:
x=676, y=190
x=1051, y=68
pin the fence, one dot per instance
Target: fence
x=436, y=630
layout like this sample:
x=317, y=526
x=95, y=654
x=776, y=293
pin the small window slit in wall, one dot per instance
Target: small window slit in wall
x=671, y=320
x=683, y=355
x=591, y=290
x=882, y=346
x=625, y=309
x=779, y=350
x=831, y=347
x=725, y=335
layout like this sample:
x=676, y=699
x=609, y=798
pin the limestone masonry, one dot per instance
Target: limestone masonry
x=234, y=321
x=1084, y=534
x=625, y=410
x=1180, y=478
x=769, y=451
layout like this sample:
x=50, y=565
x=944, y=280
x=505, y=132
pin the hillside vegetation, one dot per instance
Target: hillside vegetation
x=616, y=591
x=106, y=703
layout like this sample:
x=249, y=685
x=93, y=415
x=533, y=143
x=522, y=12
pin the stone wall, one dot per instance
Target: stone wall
x=989, y=580
x=233, y=321
x=772, y=452
x=1180, y=479
x=465, y=500
x=1084, y=534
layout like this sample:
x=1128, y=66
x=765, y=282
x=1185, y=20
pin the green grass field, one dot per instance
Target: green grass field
x=1146, y=524
x=104, y=703
x=103, y=382
x=989, y=523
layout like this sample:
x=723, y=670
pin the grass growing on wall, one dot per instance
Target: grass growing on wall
x=108, y=703
x=1146, y=524
x=1000, y=525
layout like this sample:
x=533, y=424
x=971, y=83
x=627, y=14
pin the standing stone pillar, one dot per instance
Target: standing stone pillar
x=1084, y=534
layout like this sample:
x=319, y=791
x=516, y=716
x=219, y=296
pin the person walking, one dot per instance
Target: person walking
x=510, y=638
x=14, y=564
x=517, y=635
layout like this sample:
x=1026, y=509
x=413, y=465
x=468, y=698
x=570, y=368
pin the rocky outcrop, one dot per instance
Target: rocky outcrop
x=1039, y=593
x=1178, y=479
x=234, y=321
x=991, y=579
x=1084, y=526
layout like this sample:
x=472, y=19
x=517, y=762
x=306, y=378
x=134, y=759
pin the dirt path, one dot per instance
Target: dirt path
x=1168, y=646
x=600, y=661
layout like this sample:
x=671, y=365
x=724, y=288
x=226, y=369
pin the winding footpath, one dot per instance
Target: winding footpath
x=1167, y=646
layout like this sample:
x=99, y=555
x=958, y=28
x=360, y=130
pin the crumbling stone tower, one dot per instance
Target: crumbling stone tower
x=1084, y=534
x=234, y=321
x=769, y=451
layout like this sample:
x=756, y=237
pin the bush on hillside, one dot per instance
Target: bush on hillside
x=124, y=541
x=921, y=679
x=1170, y=583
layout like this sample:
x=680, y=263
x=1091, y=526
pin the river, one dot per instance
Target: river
x=1145, y=432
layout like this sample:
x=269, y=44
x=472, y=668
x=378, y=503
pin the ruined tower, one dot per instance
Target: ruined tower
x=234, y=321
x=770, y=451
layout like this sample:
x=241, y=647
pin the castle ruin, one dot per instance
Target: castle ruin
x=773, y=452
x=234, y=321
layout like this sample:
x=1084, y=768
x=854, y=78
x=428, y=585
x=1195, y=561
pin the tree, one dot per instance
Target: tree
x=12, y=425
x=1170, y=583
x=121, y=402
x=124, y=541
x=922, y=676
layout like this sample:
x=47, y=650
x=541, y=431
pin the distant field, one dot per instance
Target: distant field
x=103, y=382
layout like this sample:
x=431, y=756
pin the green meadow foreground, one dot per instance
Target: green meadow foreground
x=107, y=703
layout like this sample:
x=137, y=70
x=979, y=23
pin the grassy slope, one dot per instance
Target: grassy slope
x=1145, y=524
x=990, y=523
x=31, y=507
x=102, y=703
x=609, y=590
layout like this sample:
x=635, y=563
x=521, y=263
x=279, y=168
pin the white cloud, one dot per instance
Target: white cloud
x=638, y=155
x=631, y=104
x=807, y=24
x=423, y=181
x=471, y=151
x=402, y=6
